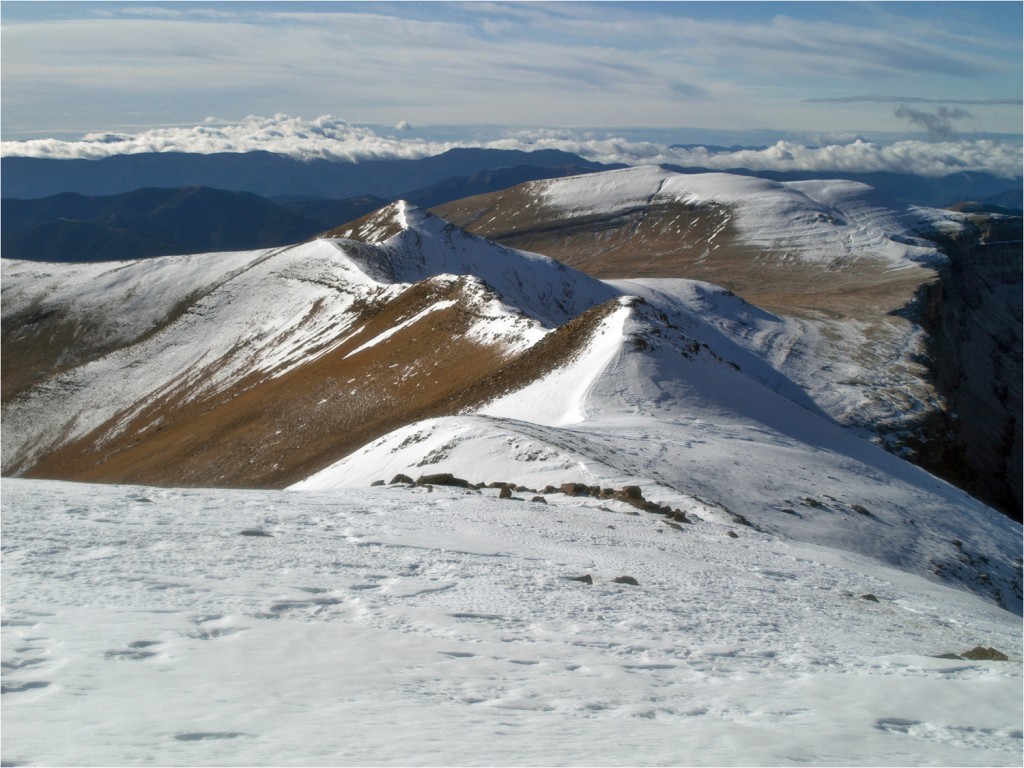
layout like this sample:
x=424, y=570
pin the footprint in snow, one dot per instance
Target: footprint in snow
x=134, y=651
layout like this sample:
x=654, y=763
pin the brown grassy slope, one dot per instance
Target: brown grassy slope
x=269, y=432
x=674, y=240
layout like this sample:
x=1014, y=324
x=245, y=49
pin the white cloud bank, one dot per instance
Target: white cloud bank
x=329, y=137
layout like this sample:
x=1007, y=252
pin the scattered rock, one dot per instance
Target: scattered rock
x=869, y=597
x=400, y=478
x=505, y=492
x=255, y=532
x=978, y=653
x=550, y=489
x=626, y=580
x=443, y=478
x=788, y=510
x=539, y=500
x=732, y=534
x=949, y=656
x=585, y=578
x=574, y=489
x=376, y=483
x=631, y=492
x=670, y=524
x=861, y=510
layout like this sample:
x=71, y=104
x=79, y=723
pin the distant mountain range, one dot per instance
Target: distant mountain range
x=276, y=176
x=266, y=174
x=159, y=221
x=146, y=222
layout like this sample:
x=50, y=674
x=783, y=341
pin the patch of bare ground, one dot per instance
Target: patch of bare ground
x=556, y=350
x=270, y=432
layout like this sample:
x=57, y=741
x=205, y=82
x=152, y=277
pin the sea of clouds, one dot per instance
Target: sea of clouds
x=332, y=138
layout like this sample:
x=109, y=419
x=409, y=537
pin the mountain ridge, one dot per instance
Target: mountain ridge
x=262, y=173
x=847, y=269
x=321, y=364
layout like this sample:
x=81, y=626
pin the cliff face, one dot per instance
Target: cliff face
x=973, y=314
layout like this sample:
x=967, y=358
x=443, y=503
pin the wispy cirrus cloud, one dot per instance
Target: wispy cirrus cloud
x=332, y=138
x=604, y=64
x=910, y=100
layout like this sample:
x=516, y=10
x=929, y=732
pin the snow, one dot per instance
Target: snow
x=680, y=416
x=396, y=626
x=263, y=312
x=832, y=222
x=425, y=246
x=337, y=623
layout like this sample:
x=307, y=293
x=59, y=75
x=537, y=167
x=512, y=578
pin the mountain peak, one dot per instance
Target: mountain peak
x=381, y=225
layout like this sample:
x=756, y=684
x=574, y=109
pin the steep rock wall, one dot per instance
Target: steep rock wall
x=973, y=314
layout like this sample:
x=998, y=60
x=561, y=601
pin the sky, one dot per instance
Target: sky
x=668, y=72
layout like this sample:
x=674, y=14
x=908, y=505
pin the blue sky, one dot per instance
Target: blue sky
x=835, y=69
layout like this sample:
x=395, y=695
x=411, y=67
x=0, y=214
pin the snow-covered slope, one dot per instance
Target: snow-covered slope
x=837, y=265
x=407, y=245
x=831, y=222
x=665, y=402
x=401, y=344
x=220, y=325
x=796, y=584
x=392, y=626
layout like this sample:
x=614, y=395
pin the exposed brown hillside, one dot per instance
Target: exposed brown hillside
x=271, y=432
x=696, y=242
x=268, y=432
x=971, y=308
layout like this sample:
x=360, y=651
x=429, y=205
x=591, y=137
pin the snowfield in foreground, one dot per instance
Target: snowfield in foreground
x=394, y=625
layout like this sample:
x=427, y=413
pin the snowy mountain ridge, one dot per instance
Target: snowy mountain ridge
x=657, y=545
x=829, y=221
x=855, y=289
x=318, y=364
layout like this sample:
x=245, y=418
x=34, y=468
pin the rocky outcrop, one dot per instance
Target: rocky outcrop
x=973, y=314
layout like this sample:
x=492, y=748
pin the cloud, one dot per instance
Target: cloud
x=910, y=100
x=606, y=64
x=938, y=124
x=920, y=158
x=332, y=138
